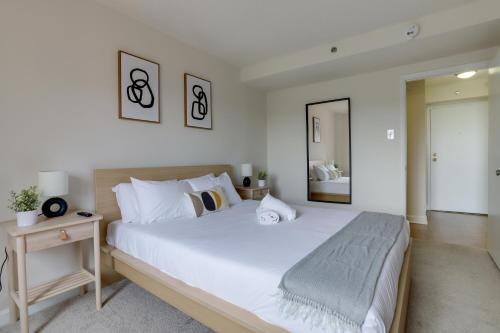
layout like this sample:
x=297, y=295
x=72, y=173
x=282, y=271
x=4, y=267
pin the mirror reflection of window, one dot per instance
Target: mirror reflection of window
x=329, y=151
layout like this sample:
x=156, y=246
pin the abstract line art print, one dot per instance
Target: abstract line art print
x=197, y=102
x=139, y=82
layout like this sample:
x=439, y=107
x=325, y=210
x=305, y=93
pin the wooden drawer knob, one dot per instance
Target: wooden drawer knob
x=63, y=235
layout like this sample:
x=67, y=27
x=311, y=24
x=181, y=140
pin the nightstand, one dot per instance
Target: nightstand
x=253, y=193
x=49, y=233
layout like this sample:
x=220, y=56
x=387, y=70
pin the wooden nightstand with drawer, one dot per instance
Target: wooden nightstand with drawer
x=49, y=233
x=253, y=193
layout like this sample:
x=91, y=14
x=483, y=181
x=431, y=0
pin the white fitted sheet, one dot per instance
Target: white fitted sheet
x=231, y=256
x=336, y=186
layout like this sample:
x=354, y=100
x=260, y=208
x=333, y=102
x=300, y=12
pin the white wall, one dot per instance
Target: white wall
x=493, y=236
x=378, y=174
x=325, y=149
x=342, y=142
x=59, y=109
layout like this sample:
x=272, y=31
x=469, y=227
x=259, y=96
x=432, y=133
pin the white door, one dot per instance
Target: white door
x=494, y=164
x=459, y=156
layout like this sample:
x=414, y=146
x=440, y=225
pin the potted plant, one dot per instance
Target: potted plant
x=25, y=204
x=262, y=178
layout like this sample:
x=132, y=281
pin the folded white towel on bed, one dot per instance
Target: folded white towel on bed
x=285, y=212
x=267, y=217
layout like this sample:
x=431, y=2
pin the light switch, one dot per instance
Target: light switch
x=390, y=134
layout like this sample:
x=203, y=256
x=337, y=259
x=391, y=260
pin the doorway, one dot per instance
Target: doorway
x=447, y=157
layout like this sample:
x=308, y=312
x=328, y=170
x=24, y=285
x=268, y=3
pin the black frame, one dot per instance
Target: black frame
x=186, y=106
x=314, y=129
x=120, y=116
x=348, y=99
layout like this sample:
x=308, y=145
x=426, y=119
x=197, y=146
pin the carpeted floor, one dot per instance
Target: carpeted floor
x=454, y=289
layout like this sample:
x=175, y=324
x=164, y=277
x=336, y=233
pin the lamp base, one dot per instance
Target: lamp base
x=61, y=207
x=246, y=181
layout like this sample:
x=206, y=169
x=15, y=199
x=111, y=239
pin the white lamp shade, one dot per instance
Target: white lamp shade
x=246, y=170
x=53, y=183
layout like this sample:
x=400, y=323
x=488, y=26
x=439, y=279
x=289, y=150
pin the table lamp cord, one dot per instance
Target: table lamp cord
x=1, y=268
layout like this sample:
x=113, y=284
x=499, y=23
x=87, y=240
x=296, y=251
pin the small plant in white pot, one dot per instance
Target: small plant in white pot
x=25, y=204
x=261, y=177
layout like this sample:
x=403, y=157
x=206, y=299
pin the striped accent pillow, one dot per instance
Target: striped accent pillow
x=208, y=201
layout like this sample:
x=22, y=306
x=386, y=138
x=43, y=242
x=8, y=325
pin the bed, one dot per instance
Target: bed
x=225, y=250
x=332, y=190
x=338, y=186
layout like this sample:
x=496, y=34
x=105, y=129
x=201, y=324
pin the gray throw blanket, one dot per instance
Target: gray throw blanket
x=333, y=286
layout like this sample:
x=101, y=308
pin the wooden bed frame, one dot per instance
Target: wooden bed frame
x=206, y=308
x=330, y=197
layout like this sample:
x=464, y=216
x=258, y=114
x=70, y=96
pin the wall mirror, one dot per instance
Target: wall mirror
x=329, y=151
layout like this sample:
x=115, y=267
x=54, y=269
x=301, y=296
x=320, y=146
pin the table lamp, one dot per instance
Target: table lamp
x=246, y=171
x=53, y=184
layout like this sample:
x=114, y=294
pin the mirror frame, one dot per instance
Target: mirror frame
x=348, y=99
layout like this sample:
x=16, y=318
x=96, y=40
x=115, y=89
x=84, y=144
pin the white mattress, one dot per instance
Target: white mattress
x=231, y=256
x=337, y=186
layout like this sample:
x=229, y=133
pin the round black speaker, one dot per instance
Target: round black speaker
x=54, y=207
x=246, y=181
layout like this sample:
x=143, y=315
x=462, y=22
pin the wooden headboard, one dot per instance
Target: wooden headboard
x=106, y=179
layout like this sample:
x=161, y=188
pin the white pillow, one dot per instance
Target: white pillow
x=202, y=183
x=322, y=172
x=331, y=167
x=127, y=201
x=224, y=181
x=162, y=200
x=207, y=201
x=332, y=171
x=209, y=181
x=312, y=174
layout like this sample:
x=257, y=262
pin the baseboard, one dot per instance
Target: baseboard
x=5, y=317
x=417, y=219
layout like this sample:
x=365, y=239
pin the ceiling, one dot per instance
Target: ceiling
x=245, y=32
x=481, y=75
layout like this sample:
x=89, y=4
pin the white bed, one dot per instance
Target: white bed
x=337, y=186
x=230, y=255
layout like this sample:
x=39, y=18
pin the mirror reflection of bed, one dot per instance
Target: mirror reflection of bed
x=328, y=146
x=334, y=189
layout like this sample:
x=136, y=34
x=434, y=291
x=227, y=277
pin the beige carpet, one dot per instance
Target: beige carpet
x=455, y=289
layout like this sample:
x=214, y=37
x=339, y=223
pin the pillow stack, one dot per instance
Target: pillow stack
x=208, y=201
x=127, y=202
x=145, y=201
x=210, y=181
x=326, y=172
x=161, y=200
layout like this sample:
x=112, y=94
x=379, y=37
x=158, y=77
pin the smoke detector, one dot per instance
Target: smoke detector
x=412, y=31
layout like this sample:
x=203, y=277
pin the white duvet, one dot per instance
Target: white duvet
x=336, y=186
x=230, y=255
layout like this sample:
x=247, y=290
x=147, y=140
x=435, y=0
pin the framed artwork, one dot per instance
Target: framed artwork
x=316, y=130
x=197, y=102
x=139, y=88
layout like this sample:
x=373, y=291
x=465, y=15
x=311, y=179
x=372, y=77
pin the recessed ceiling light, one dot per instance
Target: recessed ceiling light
x=457, y=92
x=466, y=75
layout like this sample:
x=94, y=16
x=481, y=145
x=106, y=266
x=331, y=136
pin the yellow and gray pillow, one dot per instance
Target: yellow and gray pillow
x=208, y=201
